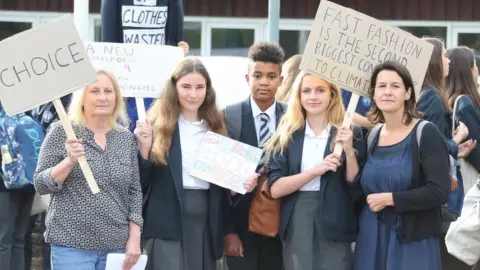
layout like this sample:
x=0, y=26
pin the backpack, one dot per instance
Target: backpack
x=23, y=136
x=448, y=215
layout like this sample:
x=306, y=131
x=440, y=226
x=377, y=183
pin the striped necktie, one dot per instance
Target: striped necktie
x=263, y=138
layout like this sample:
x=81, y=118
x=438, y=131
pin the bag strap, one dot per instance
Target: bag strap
x=455, y=113
x=233, y=120
x=372, y=134
x=420, y=127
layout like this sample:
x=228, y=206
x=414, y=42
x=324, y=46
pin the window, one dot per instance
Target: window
x=293, y=41
x=97, y=35
x=193, y=36
x=8, y=29
x=431, y=31
x=471, y=40
x=232, y=42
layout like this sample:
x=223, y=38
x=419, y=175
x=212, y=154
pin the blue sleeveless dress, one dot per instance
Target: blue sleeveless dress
x=389, y=169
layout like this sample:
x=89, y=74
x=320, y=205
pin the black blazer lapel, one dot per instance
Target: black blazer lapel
x=295, y=152
x=280, y=109
x=328, y=151
x=249, y=132
x=175, y=162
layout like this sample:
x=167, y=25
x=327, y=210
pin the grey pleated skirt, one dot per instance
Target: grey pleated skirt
x=304, y=248
x=193, y=252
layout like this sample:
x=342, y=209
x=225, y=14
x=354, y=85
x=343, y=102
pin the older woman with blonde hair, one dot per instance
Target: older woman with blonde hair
x=83, y=227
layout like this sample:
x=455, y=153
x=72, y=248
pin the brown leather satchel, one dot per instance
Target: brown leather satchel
x=264, y=216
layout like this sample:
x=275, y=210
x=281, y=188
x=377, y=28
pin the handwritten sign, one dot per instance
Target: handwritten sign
x=147, y=22
x=40, y=65
x=345, y=45
x=142, y=70
x=225, y=162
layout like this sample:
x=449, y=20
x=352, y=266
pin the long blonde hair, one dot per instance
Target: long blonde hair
x=291, y=69
x=165, y=111
x=295, y=116
x=119, y=116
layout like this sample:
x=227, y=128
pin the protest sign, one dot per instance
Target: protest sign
x=345, y=45
x=228, y=78
x=41, y=65
x=225, y=162
x=141, y=70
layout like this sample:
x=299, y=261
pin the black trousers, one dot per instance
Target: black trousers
x=260, y=253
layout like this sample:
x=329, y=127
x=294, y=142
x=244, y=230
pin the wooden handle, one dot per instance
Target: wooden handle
x=87, y=172
x=347, y=120
x=140, y=109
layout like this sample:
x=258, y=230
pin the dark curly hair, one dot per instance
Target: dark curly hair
x=267, y=52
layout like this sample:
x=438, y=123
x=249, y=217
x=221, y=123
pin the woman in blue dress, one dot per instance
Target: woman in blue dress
x=406, y=181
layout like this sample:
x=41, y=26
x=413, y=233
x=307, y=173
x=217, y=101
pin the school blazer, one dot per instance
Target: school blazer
x=236, y=218
x=337, y=216
x=163, y=191
x=431, y=105
x=469, y=114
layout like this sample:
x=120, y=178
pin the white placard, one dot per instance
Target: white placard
x=144, y=16
x=141, y=70
x=115, y=262
x=225, y=162
x=40, y=65
x=228, y=78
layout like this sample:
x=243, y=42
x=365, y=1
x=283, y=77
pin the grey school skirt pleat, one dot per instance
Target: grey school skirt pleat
x=304, y=248
x=193, y=252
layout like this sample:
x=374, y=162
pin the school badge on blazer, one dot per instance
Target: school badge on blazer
x=264, y=216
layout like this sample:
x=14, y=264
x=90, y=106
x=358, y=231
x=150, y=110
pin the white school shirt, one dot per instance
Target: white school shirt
x=191, y=136
x=312, y=154
x=256, y=111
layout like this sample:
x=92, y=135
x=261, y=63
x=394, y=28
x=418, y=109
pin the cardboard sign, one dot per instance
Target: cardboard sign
x=225, y=162
x=344, y=46
x=228, y=78
x=141, y=70
x=42, y=64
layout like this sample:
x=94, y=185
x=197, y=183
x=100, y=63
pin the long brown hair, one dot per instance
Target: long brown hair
x=434, y=77
x=460, y=79
x=295, y=116
x=165, y=111
x=291, y=68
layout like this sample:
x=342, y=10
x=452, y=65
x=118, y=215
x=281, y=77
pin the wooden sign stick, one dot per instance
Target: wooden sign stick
x=347, y=121
x=141, y=109
x=87, y=172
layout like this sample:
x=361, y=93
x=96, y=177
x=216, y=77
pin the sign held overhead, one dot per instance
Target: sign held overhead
x=344, y=46
x=40, y=65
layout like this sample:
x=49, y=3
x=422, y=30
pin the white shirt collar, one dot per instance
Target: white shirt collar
x=257, y=111
x=309, y=131
x=196, y=123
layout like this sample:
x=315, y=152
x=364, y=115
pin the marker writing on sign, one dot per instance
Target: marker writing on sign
x=39, y=65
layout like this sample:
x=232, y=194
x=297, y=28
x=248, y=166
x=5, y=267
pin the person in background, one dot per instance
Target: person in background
x=45, y=115
x=406, y=185
x=318, y=188
x=461, y=82
x=255, y=119
x=433, y=103
x=122, y=22
x=82, y=227
x=290, y=70
x=183, y=214
x=360, y=115
x=19, y=134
